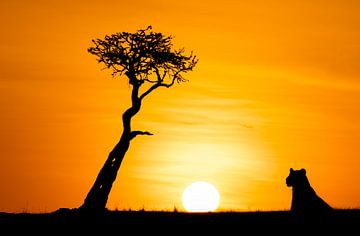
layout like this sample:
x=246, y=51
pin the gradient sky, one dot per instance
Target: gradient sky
x=277, y=86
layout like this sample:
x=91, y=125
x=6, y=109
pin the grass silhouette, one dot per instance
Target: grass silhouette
x=70, y=221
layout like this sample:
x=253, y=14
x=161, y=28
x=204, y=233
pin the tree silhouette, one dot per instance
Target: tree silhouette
x=149, y=62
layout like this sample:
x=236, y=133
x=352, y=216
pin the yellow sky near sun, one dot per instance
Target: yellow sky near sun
x=277, y=86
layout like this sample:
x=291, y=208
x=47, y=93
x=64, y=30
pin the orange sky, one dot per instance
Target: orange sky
x=277, y=86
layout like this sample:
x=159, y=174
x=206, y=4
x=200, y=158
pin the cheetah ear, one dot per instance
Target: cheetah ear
x=291, y=170
x=303, y=171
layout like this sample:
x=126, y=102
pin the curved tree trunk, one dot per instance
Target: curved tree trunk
x=97, y=197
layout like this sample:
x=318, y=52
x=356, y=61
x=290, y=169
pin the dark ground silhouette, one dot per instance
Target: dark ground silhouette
x=73, y=222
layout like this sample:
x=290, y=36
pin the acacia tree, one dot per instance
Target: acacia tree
x=148, y=61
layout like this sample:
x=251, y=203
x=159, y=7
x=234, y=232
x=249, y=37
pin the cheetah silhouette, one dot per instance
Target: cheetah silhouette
x=305, y=201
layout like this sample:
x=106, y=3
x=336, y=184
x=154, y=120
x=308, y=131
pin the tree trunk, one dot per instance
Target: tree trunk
x=96, y=199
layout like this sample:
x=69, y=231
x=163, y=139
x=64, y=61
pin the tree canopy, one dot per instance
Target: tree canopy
x=144, y=57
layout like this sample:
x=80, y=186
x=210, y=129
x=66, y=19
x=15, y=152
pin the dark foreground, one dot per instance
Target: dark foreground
x=70, y=222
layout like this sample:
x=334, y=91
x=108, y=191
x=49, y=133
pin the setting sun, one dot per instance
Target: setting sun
x=200, y=197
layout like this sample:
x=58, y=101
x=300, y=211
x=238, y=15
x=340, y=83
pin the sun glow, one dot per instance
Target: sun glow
x=200, y=197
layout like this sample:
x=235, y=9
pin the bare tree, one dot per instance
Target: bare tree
x=149, y=62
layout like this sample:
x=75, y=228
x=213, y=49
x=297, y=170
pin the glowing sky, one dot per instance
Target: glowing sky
x=277, y=86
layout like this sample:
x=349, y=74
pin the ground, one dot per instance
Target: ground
x=70, y=222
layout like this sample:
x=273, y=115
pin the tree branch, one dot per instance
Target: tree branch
x=152, y=88
x=149, y=80
x=159, y=78
x=135, y=133
x=171, y=83
x=160, y=84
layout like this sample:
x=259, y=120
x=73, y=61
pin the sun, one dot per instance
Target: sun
x=200, y=196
